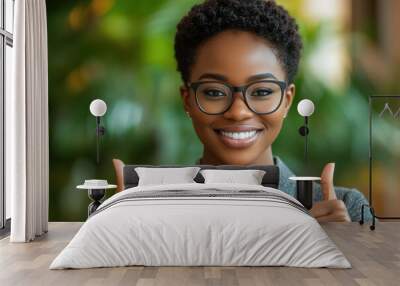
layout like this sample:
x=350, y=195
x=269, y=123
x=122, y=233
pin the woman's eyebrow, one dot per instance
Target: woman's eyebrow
x=224, y=78
x=214, y=76
x=261, y=76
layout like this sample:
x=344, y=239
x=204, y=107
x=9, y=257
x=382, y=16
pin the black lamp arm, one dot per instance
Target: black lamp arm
x=303, y=130
x=100, y=131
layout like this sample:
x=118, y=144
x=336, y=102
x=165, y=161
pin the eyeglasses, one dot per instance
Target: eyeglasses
x=261, y=97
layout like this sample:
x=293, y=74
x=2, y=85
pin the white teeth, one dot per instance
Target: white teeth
x=239, y=135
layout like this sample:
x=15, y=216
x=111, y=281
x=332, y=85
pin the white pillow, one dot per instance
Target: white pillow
x=162, y=176
x=249, y=177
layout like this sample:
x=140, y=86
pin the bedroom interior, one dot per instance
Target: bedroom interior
x=124, y=161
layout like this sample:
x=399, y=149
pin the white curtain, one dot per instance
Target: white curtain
x=27, y=148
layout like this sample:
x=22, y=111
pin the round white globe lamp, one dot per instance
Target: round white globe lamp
x=98, y=108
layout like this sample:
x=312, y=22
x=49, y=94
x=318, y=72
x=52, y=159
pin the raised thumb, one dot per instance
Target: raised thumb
x=328, y=190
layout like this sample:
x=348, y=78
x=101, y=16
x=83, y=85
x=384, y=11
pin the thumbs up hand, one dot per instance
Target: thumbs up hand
x=330, y=208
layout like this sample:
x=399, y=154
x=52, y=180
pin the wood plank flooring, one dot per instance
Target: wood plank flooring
x=374, y=255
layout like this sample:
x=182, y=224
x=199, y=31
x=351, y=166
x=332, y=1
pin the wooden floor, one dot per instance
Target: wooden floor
x=374, y=255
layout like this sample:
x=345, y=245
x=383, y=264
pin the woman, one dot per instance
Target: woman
x=238, y=59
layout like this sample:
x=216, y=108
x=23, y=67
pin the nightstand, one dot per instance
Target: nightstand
x=96, y=191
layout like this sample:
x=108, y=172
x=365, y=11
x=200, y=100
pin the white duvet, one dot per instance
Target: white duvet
x=181, y=230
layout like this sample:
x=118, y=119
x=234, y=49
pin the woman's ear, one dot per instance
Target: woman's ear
x=184, y=91
x=289, y=96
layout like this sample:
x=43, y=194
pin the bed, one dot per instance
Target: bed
x=201, y=224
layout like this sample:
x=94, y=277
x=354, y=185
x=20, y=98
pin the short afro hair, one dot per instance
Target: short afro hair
x=262, y=17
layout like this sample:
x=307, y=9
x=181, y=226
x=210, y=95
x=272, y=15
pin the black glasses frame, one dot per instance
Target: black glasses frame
x=243, y=89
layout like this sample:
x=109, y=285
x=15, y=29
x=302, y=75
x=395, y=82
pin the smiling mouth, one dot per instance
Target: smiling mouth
x=239, y=135
x=238, y=139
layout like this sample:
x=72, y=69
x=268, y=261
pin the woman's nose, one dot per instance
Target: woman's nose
x=238, y=110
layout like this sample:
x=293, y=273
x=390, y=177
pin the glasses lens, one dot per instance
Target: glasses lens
x=213, y=97
x=264, y=97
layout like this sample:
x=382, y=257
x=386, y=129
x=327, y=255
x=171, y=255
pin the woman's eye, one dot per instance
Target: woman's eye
x=214, y=93
x=262, y=92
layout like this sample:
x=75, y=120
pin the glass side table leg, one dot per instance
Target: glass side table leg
x=96, y=195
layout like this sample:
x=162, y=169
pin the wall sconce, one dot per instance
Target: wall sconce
x=98, y=108
x=304, y=185
x=306, y=109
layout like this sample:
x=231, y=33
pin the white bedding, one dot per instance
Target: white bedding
x=267, y=229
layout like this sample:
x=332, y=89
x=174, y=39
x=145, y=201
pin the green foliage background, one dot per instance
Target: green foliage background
x=122, y=52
